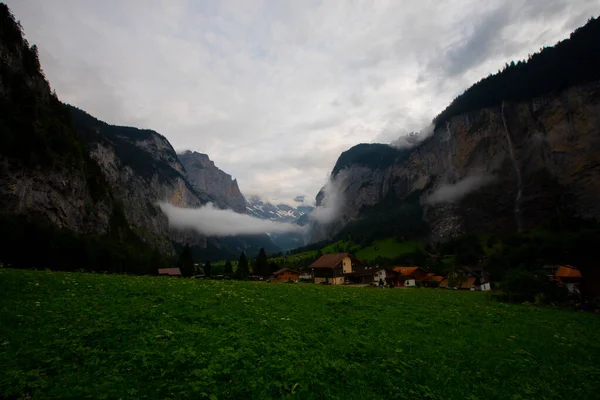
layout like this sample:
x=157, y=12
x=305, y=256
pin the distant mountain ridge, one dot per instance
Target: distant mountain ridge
x=256, y=207
x=298, y=215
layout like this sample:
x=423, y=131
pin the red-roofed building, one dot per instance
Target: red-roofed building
x=286, y=275
x=567, y=275
x=409, y=276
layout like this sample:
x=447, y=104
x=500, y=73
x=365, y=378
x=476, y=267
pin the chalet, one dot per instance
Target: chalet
x=565, y=274
x=482, y=278
x=169, y=272
x=433, y=280
x=286, y=275
x=386, y=275
x=362, y=275
x=332, y=268
x=409, y=276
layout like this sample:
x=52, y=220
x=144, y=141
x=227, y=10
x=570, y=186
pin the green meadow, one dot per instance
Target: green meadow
x=81, y=335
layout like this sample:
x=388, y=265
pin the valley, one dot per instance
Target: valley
x=450, y=257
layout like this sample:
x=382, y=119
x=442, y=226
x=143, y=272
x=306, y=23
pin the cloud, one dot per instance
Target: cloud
x=332, y=202
x=450, y=193
x=254, y=84
x=413, y=139
x=211, y=221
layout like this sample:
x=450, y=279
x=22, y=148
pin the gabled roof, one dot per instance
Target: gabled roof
x=567, y=271
x=436, y=278
x=444, y=282
x=329, y=260
x=170, y=271
x=282, y=270
x=407, y=271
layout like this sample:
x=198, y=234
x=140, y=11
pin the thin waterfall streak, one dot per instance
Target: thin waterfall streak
x=450, y=161
x=517, y=171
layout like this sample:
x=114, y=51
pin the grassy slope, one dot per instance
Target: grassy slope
x=74, y=335
x=385, y=248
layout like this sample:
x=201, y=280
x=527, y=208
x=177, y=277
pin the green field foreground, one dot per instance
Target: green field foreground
x=78, y=335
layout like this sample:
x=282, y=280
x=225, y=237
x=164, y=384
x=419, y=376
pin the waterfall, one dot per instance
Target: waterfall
x=517, y=171
x=450, y=162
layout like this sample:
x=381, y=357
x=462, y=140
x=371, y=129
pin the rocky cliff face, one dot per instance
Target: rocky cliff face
x=43, y=171
x=142, y=169
x=205, y=177
x=504, y=168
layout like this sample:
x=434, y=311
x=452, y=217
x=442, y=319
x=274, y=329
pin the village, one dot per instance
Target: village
x=343, y=269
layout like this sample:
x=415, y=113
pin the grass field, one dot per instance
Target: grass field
x=75, y=335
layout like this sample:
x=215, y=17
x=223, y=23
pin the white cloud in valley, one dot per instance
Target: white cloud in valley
x=211, y=221
x=273, y=91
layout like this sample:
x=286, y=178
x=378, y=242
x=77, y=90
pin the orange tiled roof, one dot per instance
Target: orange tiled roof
x=567, y=272
x=444, y=282
x=437, y=278
x=406, y=271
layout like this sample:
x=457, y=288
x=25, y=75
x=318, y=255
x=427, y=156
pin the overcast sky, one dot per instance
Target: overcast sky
x=274, y=91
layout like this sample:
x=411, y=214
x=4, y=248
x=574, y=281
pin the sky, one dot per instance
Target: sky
x=274, y=91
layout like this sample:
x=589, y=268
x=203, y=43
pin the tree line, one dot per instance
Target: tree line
x=244, y=270
x=573, y=61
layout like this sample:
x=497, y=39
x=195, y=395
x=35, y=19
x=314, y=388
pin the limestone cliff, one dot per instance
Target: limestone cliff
x=540, y=159
x=44, y=171
x=205, y=177
x=142, y=169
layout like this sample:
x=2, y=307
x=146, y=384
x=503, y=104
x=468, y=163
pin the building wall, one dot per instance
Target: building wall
x=379, y=275
x=286, y=276
x=334, y=281
x=486, y=287
x=347, y=265
x=409, y=283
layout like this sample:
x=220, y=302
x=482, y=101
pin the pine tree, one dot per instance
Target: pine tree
x=227, y=269
x=186, y=262
x=242, y=273
x=262, y=264
x=207, y=268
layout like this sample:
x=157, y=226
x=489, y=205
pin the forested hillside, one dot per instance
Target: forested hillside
x=571, y=62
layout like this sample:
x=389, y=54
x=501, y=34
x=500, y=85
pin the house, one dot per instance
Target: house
x=286, y=275
x=332, y=268
x=410, y=276
x=433, y=280
x=386, y=275
x=361, y=275
x=567, y=275
x=169, y=272
x=482, y=278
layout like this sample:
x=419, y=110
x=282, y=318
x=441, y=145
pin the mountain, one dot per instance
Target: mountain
x=57, y=209
x=256, y=207
x=518, y=150
x=278, y=213
x=73, y=184
x=142, y=168
x=205, y=177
